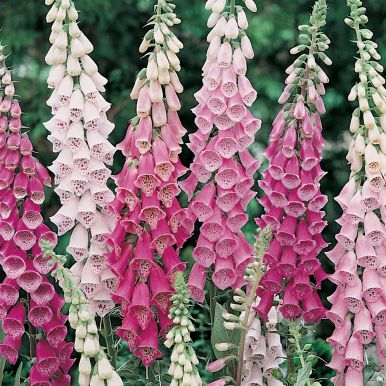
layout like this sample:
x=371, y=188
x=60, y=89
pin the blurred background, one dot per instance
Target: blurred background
x=116, y=28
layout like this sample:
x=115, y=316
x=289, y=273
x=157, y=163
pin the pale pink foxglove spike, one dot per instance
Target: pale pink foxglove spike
x=78, y=131
x=23, y=187
x=293, y=200
x=359, y=299
x=222, y=171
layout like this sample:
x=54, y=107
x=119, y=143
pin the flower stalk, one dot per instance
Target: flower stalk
x=183, y=368
x=221, y=175
x=253, y=275
x=293, y=201
x=258, y=352
x=79, y=130
x=22, y=181
x=358, y=303
x=94, y=365
x=151, y=226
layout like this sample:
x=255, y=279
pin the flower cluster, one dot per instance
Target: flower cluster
x=263, y=350
x=223, y=168
x=94, y=367
x=21, y=231
x=359, y=302
x=152, y=226
x=292, y=201
x=78, y=132
x=183, y=358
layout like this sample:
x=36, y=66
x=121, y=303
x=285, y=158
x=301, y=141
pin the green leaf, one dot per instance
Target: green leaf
x=221, y=335
x=2, y=359
x=2, y=366
x=18, y=375
x=304, y=374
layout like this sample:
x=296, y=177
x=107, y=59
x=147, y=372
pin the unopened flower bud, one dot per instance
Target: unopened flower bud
x=250, y=4
x=105, y=371
x=145, y=44
x=79, y=345
x=90, y=348
x=85, y=365
x=81, y=331
x=224, y=346
x=84, y=315
x=213, y=19
x=115, y=380
x=84, y=379
x=219, y=6
x=96, y=381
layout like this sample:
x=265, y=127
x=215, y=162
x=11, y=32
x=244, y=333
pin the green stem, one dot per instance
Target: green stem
x=243, y=335
x=212, y=301
x=159, y=10
x=152, y=375
x=232, y=7
x=110, y=340
x=32, y=337
x=299, y=350
x=384, y=378
x=32, y=340
x=290, y=362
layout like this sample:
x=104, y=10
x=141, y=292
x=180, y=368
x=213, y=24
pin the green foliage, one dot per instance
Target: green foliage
x=304, y=374
x=220, y=334
x=18, y=375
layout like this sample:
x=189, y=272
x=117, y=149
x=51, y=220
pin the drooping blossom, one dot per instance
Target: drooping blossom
x=263, y=349
x=359, y=302
x=152, y=225
x=22, y=184
x=292, y=199
x=219, y=185
x=78, y=132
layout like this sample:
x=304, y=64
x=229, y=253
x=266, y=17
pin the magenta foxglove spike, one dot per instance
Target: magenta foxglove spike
x=151, y=225
x=292, y=199
x=22, y=229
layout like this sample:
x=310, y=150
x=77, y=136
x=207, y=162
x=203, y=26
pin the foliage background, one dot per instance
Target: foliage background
x=116, y=29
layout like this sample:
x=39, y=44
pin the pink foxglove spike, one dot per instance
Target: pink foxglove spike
x=22, y=231
x=221, y=175
x=292, y=199
x=152, y=226
x=78, y=131
x=358, y=305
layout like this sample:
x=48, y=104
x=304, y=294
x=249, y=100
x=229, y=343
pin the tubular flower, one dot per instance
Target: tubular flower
x=263, y=351
x=94, y=366
x=152, y=226
x=184, y=360
x=21, y=231
x=293, y=202
x=359, y=303
x=78, y=132
x=222, y=170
